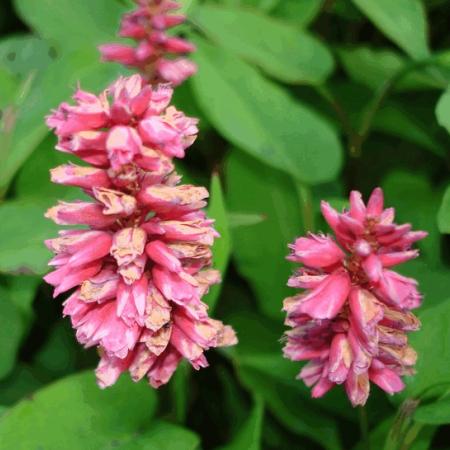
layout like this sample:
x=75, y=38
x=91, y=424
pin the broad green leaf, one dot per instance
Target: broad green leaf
x=436, y=413
x=24, y=229
x=443, y=217
x=69, y=24
x=74, y=413
x=443, y=110
x=12, y=327
x=25, y=54
x=432, y=344
x=403, y=21
x=373, y=67
x=262, y=119
x=222, y=245
x=21, y=291
x=249, y=436
x=260, y=250
x=286, y=53
x=298, y=12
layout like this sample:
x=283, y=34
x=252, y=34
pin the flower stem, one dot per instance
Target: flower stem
x=364, y=427
x=306, y=206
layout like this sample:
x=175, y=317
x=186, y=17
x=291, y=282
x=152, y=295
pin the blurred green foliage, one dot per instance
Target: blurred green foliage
x=299, y=100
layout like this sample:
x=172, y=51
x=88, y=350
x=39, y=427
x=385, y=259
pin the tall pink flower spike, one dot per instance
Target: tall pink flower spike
x=147, y=25
x=352, y=320
x=140, y=265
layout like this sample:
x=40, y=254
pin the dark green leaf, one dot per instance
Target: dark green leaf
x=444, y=213
x=249, y=436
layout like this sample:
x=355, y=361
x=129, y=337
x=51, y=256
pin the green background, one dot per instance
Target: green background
x=298, y=100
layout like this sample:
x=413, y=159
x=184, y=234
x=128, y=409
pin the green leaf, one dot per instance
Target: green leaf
x=396, y=120
x=244, y=219
x=12, y=327
x=298, y=12
x=403, y=21
x=437, y=413
x=8, y=88
x=286, y=53
x=160, y=435
x=24, y=228
x=74, y=413
x=249, y=436
x=260, y=250
x=262, y=119
x=222, y=245
x=46, y=92
x=25, y=54
x=71, y=24
x=444, y=213
x=415, y=202
x=443, y=110
x=372, y=67
x=432, y=344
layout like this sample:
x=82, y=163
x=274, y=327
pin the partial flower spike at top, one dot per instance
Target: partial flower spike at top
x=351, y=323
x=155, y=53
x=141, y=265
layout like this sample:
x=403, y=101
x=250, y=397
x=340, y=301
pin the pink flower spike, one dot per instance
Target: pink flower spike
x=352, y=321
x=140, y=264
x=154, y=48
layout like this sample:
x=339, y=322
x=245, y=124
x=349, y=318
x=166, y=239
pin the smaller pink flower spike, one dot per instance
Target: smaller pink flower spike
x=352, y=321
x=139, y=268
x=153, y=53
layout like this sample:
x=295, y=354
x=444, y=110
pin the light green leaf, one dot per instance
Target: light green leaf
x=24, y=54
x=286, y=53
x=8, y=89
x=74, y=413
x=70, y=24
x=262, y=119
x=443, y=217
x=24, y=229
x=260, y=250
x=436, y=413
x=244, y=219
x=249, y=436
x=222, y=245
x=443, y=110
x=403, y=21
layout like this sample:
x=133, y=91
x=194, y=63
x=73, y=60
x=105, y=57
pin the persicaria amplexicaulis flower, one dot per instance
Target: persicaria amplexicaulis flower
x=351, y=323
x=154, y=52
x=140, y=265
